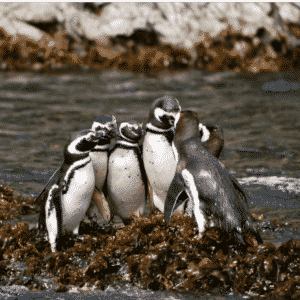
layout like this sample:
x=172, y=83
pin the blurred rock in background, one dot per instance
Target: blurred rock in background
x=150, y=37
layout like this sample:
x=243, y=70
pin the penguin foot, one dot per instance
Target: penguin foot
x=198, y=236
x=53, y=247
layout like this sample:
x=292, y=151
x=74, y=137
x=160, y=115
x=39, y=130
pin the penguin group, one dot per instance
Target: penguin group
x=173, y=165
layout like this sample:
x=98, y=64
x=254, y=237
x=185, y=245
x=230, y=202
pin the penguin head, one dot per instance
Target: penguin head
x=105, y=126
x=85, y=134
x=131, y=131
x=82, y=142
x=187, y=126
x=213, y=138
x=164, y=112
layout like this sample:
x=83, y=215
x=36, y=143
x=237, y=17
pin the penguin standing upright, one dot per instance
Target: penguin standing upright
x=106, y=124
x=212, y=137
x=207, y=184
x=158, y=156
x=67, y=196
x=126, y=178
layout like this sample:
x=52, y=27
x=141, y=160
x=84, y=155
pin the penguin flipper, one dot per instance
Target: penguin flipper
x=250, y=226
x=173, y=199
x=240, y=190
x=150, y=193
x=42, y=197
x=99, y=200
x=53, y=217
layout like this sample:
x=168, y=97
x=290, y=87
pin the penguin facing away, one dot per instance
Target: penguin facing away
x=106, y=125
x=212, y=137
x=207, y=183
x=158, y=156
x=126, y=178
x=66, y=197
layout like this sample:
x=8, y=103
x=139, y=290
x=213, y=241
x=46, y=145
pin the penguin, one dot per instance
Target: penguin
x=67, y=196
x=106, y=124
x=212, y=137
x=126, y=178
x=208, y=184
x=158, y=156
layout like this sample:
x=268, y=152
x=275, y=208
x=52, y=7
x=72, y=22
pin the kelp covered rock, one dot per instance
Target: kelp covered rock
x=151, y=255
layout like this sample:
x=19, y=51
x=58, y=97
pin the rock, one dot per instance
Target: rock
x=212, y=36
x=36, y=12
x=12, y=291
x=177, y=23
x=283, y=184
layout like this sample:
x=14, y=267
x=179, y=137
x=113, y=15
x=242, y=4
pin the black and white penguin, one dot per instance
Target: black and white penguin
x=212, y=137
x=207, y=183
x=106, y=124
x=126, y=178
x=67, y=196
x=158, y=157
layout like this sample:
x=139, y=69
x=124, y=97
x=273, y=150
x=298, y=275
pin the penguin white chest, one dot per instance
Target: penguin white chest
x=126, y=189
x=160, y=165
x=76, y=200
x=99, y=160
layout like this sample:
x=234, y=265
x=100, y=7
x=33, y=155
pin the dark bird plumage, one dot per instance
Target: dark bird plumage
x=207, y=183
x=73, y=180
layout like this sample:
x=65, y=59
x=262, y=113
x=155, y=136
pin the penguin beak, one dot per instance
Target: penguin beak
x=137, y=131
x=102, y=133
x=171, y=120
x=94, y=136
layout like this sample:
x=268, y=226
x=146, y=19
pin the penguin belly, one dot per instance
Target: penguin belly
x=99, y=160
x=125, y=185
x=78, y=197
x=160, y=165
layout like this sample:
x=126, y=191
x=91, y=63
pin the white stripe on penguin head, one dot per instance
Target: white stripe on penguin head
x=72, y=147
x=205, y=133
x=158, y=113
x=109, y=126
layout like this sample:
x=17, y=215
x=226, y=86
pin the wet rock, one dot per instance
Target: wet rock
x=149, y=254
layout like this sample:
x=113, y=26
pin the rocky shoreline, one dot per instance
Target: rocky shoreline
x=149, y=37
x=148, y=257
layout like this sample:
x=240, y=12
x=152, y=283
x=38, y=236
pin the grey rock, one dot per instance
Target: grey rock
x=284, y=184
x=11, y=292
x=180, y=23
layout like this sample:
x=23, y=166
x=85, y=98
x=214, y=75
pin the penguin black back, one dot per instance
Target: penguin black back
x=74, y=151
x=207, y=183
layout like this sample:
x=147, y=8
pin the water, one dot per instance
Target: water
x=39, y=113
x=259, y=114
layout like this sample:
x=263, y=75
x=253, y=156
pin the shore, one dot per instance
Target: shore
x=145, y=255
x=88, y=37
